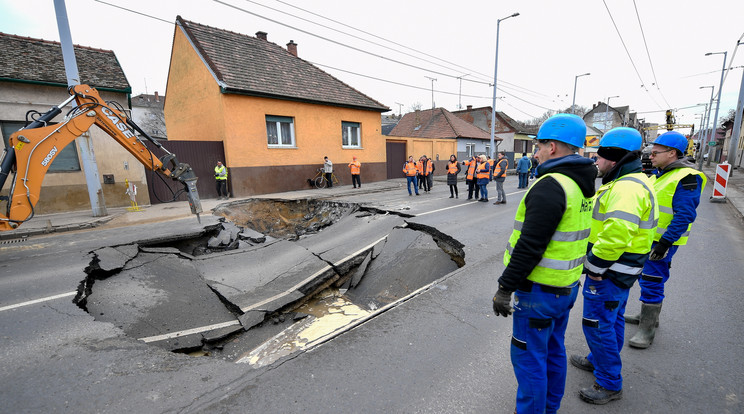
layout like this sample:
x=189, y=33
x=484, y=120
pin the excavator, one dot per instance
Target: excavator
x=31, y=151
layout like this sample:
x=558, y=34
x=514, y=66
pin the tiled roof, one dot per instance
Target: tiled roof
x=36, y=60
x=518, y=127
x=148, y=101
x=252, y=66
x=436, y=123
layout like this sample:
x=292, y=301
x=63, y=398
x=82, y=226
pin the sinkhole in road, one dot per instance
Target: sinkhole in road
x=275, y=277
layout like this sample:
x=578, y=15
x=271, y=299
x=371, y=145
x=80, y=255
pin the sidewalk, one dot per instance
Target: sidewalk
x=119, y=216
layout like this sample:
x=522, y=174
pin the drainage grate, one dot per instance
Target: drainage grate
x=11, y=241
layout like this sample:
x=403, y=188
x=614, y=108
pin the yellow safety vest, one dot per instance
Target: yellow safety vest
x=562, y=263
x=220, y=173
x=665, y=187
x=624, y=218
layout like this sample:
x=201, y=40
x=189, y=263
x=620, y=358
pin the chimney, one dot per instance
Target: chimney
x=157, y=97
x=470, y=107
x=292, y=47
x=262, y=35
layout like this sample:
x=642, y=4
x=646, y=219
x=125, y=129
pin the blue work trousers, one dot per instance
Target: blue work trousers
x=655, y=274
x=412, y=179
x=604, y=329
x=538, y=353
x=523, y=180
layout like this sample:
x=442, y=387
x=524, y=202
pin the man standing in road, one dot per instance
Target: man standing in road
x=410, y=170
x=678, y=187
x=220, y=176
x=499, y=175
x=470, y=179
x=328, y=170
x=523, y=170
x=623, y=228
x=544, y=259
x=356, y=169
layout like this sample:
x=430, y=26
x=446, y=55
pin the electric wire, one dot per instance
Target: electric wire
x=643, y=85
x=650, y=62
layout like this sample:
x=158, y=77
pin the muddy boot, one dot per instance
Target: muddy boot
x=599, y=395
x=647, y=326
x=635, y=318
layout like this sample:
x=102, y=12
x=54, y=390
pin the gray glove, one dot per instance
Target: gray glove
x=502, y=303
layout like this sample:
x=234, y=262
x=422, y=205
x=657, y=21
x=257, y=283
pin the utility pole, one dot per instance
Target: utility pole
x=495, y=72
x=607, y=106
x=734, y=144
x=459, y=96
x=400, y=105
x=718, y=102
x=85, y=141
x=432, y=90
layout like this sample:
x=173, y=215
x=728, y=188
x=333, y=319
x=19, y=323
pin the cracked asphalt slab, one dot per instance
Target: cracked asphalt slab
x=169, y=297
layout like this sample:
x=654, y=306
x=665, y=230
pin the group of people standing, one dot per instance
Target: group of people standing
x=419, y=174
x=628, y=229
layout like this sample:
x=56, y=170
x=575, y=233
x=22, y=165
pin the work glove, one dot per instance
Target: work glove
x=502, y=303
x=660, y=250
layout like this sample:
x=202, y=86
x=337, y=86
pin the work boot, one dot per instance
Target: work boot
x=635, y=318
x=647, y=326
x=599, y=395
x=581, y=362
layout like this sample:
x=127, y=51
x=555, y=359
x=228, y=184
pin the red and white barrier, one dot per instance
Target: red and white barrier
x=722, y=176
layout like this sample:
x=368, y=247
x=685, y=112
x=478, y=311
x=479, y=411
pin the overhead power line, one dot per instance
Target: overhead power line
x=650, y=61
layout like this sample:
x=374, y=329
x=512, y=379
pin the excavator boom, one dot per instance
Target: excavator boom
x=32, y=150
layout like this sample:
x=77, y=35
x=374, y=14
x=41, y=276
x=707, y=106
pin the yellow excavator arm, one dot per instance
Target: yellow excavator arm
x=32, y=150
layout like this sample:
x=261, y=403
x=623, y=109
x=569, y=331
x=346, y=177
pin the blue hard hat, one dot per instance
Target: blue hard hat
x=623, y=137
x=672, y=139
x=567, y=128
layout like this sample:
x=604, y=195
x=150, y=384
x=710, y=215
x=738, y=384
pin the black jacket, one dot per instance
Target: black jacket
x=545, y=204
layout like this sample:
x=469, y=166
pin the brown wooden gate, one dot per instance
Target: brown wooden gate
x=396, y=157
x=202, y=156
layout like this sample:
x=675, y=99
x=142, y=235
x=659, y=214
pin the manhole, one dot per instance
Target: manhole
x=275, y=278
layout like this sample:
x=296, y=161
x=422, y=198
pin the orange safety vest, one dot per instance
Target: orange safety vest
x=497, y=170
x=452, y=167
x=471, y=169
x=428, y=168
x=481, y=173
x=410, y=168
x=355, y=167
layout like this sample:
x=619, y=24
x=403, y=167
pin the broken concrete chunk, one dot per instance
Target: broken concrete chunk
x=252, y=235
x=160, y=250
x=251, y=318
x=110, y=258
x=360, y=271
x=224, y=237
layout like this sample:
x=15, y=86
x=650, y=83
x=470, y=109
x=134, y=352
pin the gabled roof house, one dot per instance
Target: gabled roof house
x=276, y=114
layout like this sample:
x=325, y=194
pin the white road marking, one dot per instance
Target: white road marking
x=35, y=301
x=189, y=331
x=451, y=207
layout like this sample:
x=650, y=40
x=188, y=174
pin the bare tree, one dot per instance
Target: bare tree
x=416, y=106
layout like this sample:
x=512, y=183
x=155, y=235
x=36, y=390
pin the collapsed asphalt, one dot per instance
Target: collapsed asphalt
x=232, y=287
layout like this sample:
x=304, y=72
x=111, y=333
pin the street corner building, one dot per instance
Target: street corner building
x=275, y=114
x=32, y=78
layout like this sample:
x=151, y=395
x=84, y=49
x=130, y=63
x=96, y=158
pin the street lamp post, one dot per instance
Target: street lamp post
x=607, y=106
x=705, y=132
x=573, y=103
x=734, y=144
x=495, y=71
x=718, y=103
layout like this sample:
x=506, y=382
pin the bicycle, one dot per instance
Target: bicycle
x=320, y=180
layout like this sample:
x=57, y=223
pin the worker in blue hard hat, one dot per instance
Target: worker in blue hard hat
x=544, y=260
x=623, y=226
x=678, y=187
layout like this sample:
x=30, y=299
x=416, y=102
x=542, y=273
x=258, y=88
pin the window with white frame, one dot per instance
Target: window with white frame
x=280, y=131
x=488, y=151
x=470, y=150
x=350, y=135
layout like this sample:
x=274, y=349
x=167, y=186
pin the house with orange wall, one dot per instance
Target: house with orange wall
x=276, y=114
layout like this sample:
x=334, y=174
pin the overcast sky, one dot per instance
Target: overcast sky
x=540, y=51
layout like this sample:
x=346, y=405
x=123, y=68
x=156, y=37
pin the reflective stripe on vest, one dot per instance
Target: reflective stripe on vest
x=410, y=169
x=452, y=168
x=471, y=169
x=483, y=174
x=497, y=169
x=355, y=166
x=623, y=222
x=562, y=261
x=665, y=187
x=220, y=173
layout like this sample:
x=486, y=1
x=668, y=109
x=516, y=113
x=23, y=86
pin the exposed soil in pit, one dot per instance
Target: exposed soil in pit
x=262, y=298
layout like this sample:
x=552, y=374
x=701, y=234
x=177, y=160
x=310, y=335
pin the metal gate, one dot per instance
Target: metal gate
x=202, y=156
x=396, y=157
